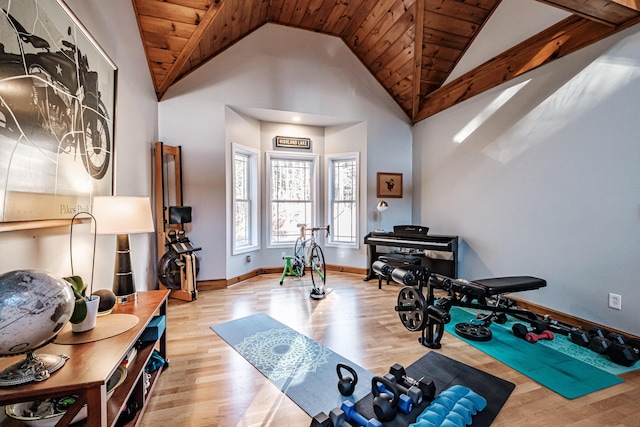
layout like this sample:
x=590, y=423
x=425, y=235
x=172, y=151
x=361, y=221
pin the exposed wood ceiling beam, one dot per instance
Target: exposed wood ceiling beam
x=631, y=4
x=607, y=12
x=557, y=41
x=417, y=57
x=191, y=45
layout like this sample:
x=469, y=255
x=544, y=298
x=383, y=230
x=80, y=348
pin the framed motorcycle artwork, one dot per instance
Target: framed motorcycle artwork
x=57, y=106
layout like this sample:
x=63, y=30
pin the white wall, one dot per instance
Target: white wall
x=136, y=124
x=277, y=68
x=548, y=183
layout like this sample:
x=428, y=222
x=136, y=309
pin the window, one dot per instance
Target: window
x=342, y=198
x=292, y=192
x=245, y=199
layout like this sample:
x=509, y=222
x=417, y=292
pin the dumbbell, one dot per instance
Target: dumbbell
x=597, y=340
x=321, y=420
x=346, y=384
x=534, y=338
x=347, y=412
x=624, y=354
x=405, y=402
x=413, y=392
x=427, y=386
x=601, y=344
x=522, y=331
x=580, y=336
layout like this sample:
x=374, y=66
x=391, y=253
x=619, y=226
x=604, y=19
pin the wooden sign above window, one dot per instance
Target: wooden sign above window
x=290, y=142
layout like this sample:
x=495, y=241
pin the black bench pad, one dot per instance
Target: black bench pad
x=501, y=285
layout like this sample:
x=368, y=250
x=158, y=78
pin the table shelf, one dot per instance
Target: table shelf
x=90, y=366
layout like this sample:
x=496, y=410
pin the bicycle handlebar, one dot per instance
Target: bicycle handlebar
x=304, y=227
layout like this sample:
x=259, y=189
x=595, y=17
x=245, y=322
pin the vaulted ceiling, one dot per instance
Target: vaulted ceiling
x=410, y=46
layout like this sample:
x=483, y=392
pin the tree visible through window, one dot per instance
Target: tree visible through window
x=245, y=199
x=292, y=193
x=242, y=206
x=343, y=195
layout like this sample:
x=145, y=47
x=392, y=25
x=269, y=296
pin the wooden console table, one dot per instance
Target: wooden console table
x=91, y=365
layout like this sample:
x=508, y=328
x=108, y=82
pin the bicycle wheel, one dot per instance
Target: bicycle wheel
x=318, y=272
x=298, y=256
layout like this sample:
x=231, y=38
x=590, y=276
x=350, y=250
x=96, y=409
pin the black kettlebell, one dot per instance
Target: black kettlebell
x=346, y=384
x=385, y=405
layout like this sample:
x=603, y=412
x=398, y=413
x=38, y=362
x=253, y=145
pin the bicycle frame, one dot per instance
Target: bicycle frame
x=309, y=253
x=310, y=242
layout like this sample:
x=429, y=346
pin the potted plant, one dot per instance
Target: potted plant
x=86, y=307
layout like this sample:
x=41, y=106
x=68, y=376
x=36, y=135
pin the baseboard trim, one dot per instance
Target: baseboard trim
x=209, y=285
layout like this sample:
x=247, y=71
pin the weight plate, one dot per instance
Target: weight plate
x=412, y=308
x=473, y=332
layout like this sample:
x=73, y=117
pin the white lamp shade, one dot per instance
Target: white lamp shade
x=122, y=215
x=382, y=206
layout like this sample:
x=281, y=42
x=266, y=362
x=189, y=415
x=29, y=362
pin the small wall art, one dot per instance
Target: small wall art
x=389, y=185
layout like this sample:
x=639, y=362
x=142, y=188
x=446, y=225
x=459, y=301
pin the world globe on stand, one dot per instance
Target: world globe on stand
x=34, y=306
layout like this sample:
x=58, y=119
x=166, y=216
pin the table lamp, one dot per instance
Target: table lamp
x=123, y=215
x=382, y=206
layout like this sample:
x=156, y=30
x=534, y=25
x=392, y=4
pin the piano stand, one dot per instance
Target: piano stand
x=428, y=315
x=437, y=252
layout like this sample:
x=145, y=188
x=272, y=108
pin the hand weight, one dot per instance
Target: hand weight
x=384, y=405
x=346, y=384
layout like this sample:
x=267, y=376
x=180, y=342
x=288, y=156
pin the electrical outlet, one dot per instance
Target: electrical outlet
x=615, y=301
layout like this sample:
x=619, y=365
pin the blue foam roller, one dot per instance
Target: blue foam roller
x=456, y=418
x=449, y=423
x=445, y=401
x=467, y=404
x=424, y=423
x=463, y=412
x=434, y=413
x=477, y=400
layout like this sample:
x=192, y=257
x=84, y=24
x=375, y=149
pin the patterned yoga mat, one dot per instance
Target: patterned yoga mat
x=302, y=368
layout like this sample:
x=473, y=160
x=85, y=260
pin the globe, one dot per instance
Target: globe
x=34, y=307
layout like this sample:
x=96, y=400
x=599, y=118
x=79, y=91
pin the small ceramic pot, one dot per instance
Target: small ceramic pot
x=89, y=322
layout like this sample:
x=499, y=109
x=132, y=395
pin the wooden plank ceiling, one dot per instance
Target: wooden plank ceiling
x=409, y=46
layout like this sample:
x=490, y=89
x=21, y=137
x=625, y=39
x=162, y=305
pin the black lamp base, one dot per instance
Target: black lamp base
x=123, y=280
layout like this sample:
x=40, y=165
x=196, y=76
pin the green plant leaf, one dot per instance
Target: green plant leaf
x=79, y=287
x=77, y=284
x=79, y=311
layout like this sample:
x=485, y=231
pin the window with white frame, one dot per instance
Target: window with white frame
x=245, y=199
x=292, y=189
x=342, y=198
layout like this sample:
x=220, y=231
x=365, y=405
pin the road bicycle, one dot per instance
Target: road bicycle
x=308, y=253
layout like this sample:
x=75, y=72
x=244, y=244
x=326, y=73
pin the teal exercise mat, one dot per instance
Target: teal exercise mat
x=302, y=368
x=446, y=372
x=559, y=372
x=561, y=343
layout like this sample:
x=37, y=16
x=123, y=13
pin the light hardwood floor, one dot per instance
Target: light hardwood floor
x=209, y=384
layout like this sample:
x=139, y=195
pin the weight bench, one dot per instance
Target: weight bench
x=426, y=314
